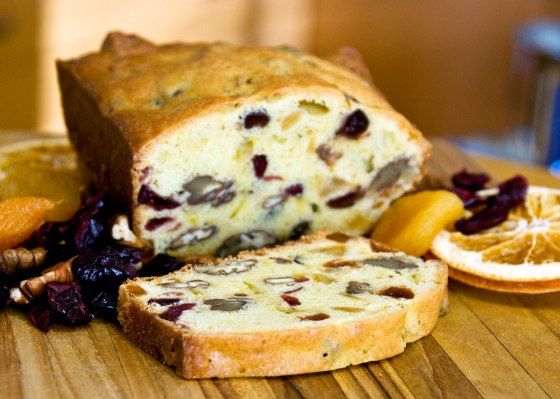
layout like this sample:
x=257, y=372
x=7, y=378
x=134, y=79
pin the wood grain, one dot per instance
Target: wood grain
x=488, y=345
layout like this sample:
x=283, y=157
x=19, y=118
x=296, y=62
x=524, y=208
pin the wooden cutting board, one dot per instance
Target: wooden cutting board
x=488, y=345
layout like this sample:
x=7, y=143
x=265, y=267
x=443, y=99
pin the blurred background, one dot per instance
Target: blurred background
x=471, y=69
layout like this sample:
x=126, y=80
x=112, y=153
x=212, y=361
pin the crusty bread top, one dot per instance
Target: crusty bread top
x=147, y=89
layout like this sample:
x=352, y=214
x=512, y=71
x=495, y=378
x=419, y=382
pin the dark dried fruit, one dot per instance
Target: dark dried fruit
x=326, y=153
x=193, y=236
x=91, y=223
x=244, y=241
x=174, y=312
x=106, y=267
x=299, y=230
x=40, y=316
x=160, y=265
x=66, y=304
x=354, y=125
x=235, y=266
x=4, y=292
x=315, y=317
x=155, y=223
x=294, y=190
x=146, y=196
x=470, y=181
x=347, y=200
x=488, y=217
x=356, y=287
x=469, y=199
x=339, y=237
x=391, y=263
x=164, y=301
x=206, y=189
x=104, y=304
x=291, y=300
x=260, y=164
x=397, y=292
x=256, y=119
x=389, y=174
x=226, y=305
x=513, y=191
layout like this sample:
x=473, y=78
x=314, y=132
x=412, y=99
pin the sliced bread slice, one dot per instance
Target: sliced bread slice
x=321, y=303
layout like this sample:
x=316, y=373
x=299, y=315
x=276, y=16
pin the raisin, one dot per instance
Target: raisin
x=244, y=241
x=488, y=217
x=397, y=292
x=354, y=125
x=160, y=265
x=106, y=267
x=163, y=301
x=146, y=196
x=206, y=189
x=389, y=174
x=291, y=300
x=470, y=181
x=260, y=164
x=104, y=303
x=513, y=191
x=256, y=118
x=155, y=223
x=315, y=317
x=174, y=312
x=345, y=201
x=299, y=230
x=391, y=263
x=40, y=316
x=66, y=304
x=356, y=287
x=193, y=236
x=226, y=305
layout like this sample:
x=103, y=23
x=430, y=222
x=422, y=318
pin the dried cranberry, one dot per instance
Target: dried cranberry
x=260, y=164
x=488, y=217
x=291, y=300
x=347, y=200
x=66, y=304
x=104, y=303
x=175, y=311
x=91, y=222
x=147, y=196
x=163, y=301
x=470, y=181
x=354, y=125
x=4, y=292
x=106, y=267
x=513, y=191
x=161, y=264
x=155, y=223
x=298, y=230
x=469, y=198
x=257, y=118
x=40, y=316
x=294, y=189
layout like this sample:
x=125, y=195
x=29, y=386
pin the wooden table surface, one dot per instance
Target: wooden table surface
x=489, y=345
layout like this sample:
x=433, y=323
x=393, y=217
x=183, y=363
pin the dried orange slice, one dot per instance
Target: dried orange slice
x=43, y=167
x=412, y=222
x=521, y=254
x=20, y=217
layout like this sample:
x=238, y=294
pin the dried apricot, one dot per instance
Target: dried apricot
x=19, y=217
x=412, y=222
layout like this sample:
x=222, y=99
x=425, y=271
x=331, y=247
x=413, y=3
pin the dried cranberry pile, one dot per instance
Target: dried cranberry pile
x=492, y=210
x=99, y=267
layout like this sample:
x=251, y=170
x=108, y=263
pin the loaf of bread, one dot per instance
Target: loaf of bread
x=321, y=303
x=216, y=148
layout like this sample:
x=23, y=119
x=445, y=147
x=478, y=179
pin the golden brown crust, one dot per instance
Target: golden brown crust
x=285, y=352
x=521, y=287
